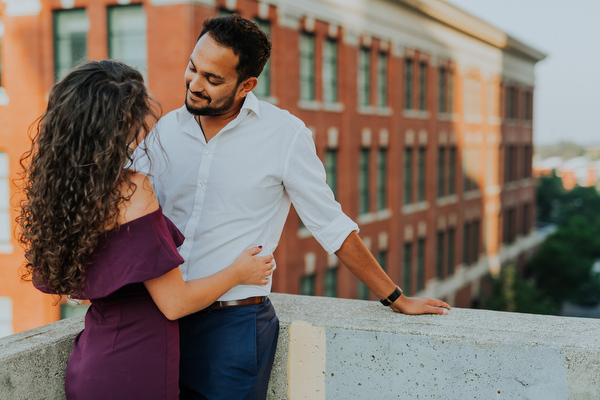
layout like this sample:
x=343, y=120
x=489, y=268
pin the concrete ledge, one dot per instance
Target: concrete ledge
x=371, y=353
x=351, y=349
x=33, y=363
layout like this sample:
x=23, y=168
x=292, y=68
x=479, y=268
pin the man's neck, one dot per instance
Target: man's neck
x=212, y=125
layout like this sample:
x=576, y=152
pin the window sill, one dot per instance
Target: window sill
x=416, y=207
x=448, y=117
x=311, y=105
x=332, y=107
x=3, y=97
x=375, y=110
x=494, y=120
x=416, y=114
x=6, y=248
x=371, y=217
x=269, y=99
x=314, y=105
x=493, y=190
x=472, y=194
x=304, y=233
x=444, y=201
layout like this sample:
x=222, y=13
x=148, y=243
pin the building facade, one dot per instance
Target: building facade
x=421, y=113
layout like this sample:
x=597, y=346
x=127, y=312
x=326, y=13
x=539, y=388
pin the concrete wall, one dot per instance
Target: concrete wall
x=351, y=349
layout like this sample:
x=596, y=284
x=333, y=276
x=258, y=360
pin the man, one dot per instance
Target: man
x=233, y=165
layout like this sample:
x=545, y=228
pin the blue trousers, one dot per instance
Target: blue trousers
x=228, y=354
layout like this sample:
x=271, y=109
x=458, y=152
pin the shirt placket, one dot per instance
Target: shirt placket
x=199, y=200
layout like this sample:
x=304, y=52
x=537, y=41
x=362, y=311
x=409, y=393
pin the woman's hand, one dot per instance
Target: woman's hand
x=252, y=269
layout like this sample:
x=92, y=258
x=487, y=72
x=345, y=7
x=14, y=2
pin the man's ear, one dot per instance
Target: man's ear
x=247, y=86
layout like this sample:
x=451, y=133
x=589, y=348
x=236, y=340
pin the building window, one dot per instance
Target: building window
x=330, y=79
x=70, y=40
x=472, y=236
x=331, y=169
x=475, y=238
x=307, y=66
x=440, y=255
x=510, y=163
x=450, y=91
x=445, y=90
x=470, y=169
x=421, y=163
x=442, y=95
x=127, y=36
x=511, y=102
x=5, y=231
x=363, y=182
x=381, y=179
x=364, y=77
x=330, y=282
x=363, y=291
x=307, y=285
x=527, y=161
x=452, y=171
x=382, y=259
x=420, y=264
x=1, y=81
x=526, y=219
x=528, y=105
x=422, y=86
x=408, y=156
x=441, y=187
x=407, y=268
x=263, y=87
x=450, y=253
x=466, y=243
x=408, y=84
x=223, y=12
x=382, y=83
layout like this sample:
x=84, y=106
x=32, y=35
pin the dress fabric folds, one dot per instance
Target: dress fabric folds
x=128, y=348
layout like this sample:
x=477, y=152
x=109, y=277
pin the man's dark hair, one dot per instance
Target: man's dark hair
x=245, y=38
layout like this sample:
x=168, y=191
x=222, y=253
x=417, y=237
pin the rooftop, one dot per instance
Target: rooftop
x=350, y=349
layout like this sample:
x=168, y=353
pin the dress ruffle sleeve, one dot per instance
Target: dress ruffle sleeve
x=142, y=249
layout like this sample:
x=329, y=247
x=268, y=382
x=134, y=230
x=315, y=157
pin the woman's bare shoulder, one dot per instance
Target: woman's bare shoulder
x=142, y=199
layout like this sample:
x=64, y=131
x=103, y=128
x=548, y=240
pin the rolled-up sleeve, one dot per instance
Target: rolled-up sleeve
x=304, y=181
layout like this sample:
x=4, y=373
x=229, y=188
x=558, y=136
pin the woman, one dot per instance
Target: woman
x=93, y=229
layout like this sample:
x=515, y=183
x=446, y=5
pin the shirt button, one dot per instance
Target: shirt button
x=200, y=184
x=195, y=215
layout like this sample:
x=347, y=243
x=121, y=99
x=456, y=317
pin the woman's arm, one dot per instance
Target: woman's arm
x=177, y=298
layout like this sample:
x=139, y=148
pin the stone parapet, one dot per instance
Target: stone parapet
x=350, y=349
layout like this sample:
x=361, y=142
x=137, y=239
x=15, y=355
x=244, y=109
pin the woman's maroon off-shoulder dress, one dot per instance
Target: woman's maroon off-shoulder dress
x=128, y=348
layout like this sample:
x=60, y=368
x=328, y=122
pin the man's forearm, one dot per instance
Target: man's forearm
x=359, y=260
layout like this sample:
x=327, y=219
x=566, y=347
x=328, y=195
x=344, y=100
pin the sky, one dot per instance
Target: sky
x=567, y=92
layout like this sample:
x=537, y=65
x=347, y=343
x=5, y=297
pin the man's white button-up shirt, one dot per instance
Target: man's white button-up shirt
x=234, y=191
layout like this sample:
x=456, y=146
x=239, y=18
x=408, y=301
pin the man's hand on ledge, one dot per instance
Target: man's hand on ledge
x=419, y=305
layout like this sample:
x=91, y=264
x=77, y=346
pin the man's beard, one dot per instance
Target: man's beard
x=208, y=110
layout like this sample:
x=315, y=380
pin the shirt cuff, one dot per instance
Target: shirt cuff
x=333, y=235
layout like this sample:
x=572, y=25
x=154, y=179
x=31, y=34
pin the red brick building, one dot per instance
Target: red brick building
x=421, y=114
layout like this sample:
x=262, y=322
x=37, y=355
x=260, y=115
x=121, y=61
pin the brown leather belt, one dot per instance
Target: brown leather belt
x=250, y=301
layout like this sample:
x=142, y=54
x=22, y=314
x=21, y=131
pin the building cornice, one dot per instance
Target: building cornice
x=473, y=26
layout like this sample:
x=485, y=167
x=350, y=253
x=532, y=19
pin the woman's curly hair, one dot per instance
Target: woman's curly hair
x=75, y=167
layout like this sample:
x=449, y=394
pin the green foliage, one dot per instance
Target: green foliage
x=561, y=270
x=514, y=294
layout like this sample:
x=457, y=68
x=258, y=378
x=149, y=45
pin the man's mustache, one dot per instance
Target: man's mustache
x=201, y=95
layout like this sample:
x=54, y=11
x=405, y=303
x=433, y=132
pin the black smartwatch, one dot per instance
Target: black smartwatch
x=392, y=297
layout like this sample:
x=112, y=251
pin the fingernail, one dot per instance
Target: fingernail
x=260, y=247
x=445, y=312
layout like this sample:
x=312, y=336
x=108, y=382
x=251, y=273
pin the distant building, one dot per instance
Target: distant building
x=577, y=171
x=421, y=113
